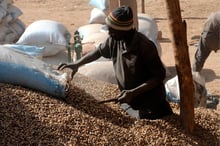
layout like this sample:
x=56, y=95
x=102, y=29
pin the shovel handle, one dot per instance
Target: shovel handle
x=115, y=100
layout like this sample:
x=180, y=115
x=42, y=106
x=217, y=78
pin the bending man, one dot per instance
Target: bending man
x=209, y=41
x=138, y=69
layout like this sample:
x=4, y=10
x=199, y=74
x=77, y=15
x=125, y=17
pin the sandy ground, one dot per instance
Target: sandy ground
x=76, y=13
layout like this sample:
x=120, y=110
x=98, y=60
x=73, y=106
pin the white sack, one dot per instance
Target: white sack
x=93, y=33
x=14, y=11
x=90, y=29
x=2, y=36
x=148, y=26
x=200, y=92
x=172, y=89
x=10, y=37
x=30, y=50
x=11, y=31
x=99, y=70
x=4, y=29
x=96, y=38
x=46, y=33
x=18, y=27
x=4, y=3
x=24, y=70
x=3, y=13
x=101, y=4
x=51, y=49
x=7, y=19
x=97, y=16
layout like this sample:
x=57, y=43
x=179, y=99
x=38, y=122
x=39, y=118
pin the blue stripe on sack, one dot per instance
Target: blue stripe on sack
x=15, y=74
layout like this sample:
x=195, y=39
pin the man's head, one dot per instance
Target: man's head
x=120, y=21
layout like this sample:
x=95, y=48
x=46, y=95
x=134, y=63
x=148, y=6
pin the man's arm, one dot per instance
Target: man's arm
x=92, y=56
x=126, y=96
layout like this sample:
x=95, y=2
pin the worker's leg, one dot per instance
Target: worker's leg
x=200, y=57
x=209, y=41
x=159, y=110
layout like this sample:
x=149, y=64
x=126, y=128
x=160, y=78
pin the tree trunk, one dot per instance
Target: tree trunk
x=142, y=6
x=182, y=64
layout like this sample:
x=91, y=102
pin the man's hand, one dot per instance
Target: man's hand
x=73, y=67
x=125, y=96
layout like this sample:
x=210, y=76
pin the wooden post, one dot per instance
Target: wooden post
x=182, y=64
x=113, y=4
x=142, y=6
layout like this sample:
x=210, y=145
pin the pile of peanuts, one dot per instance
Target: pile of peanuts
x=29, y=117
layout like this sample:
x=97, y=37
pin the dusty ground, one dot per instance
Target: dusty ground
x=29, y=120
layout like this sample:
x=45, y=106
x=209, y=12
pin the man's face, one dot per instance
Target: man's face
x=116, y=34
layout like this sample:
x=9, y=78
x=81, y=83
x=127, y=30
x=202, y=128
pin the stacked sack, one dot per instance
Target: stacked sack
x=20, y=69
x=11, y=27
x=22, y=48
x=53, y=36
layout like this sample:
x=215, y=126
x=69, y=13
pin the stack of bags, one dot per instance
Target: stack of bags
x=18, y=68
x=11, y=27
x=22, y=48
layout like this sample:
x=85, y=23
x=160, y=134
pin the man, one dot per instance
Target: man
x=138, y=69
x=209, y=41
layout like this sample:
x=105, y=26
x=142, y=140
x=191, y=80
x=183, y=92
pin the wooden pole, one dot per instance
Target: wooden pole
x=113, y=4
x=142, y=6
x=182, y=64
